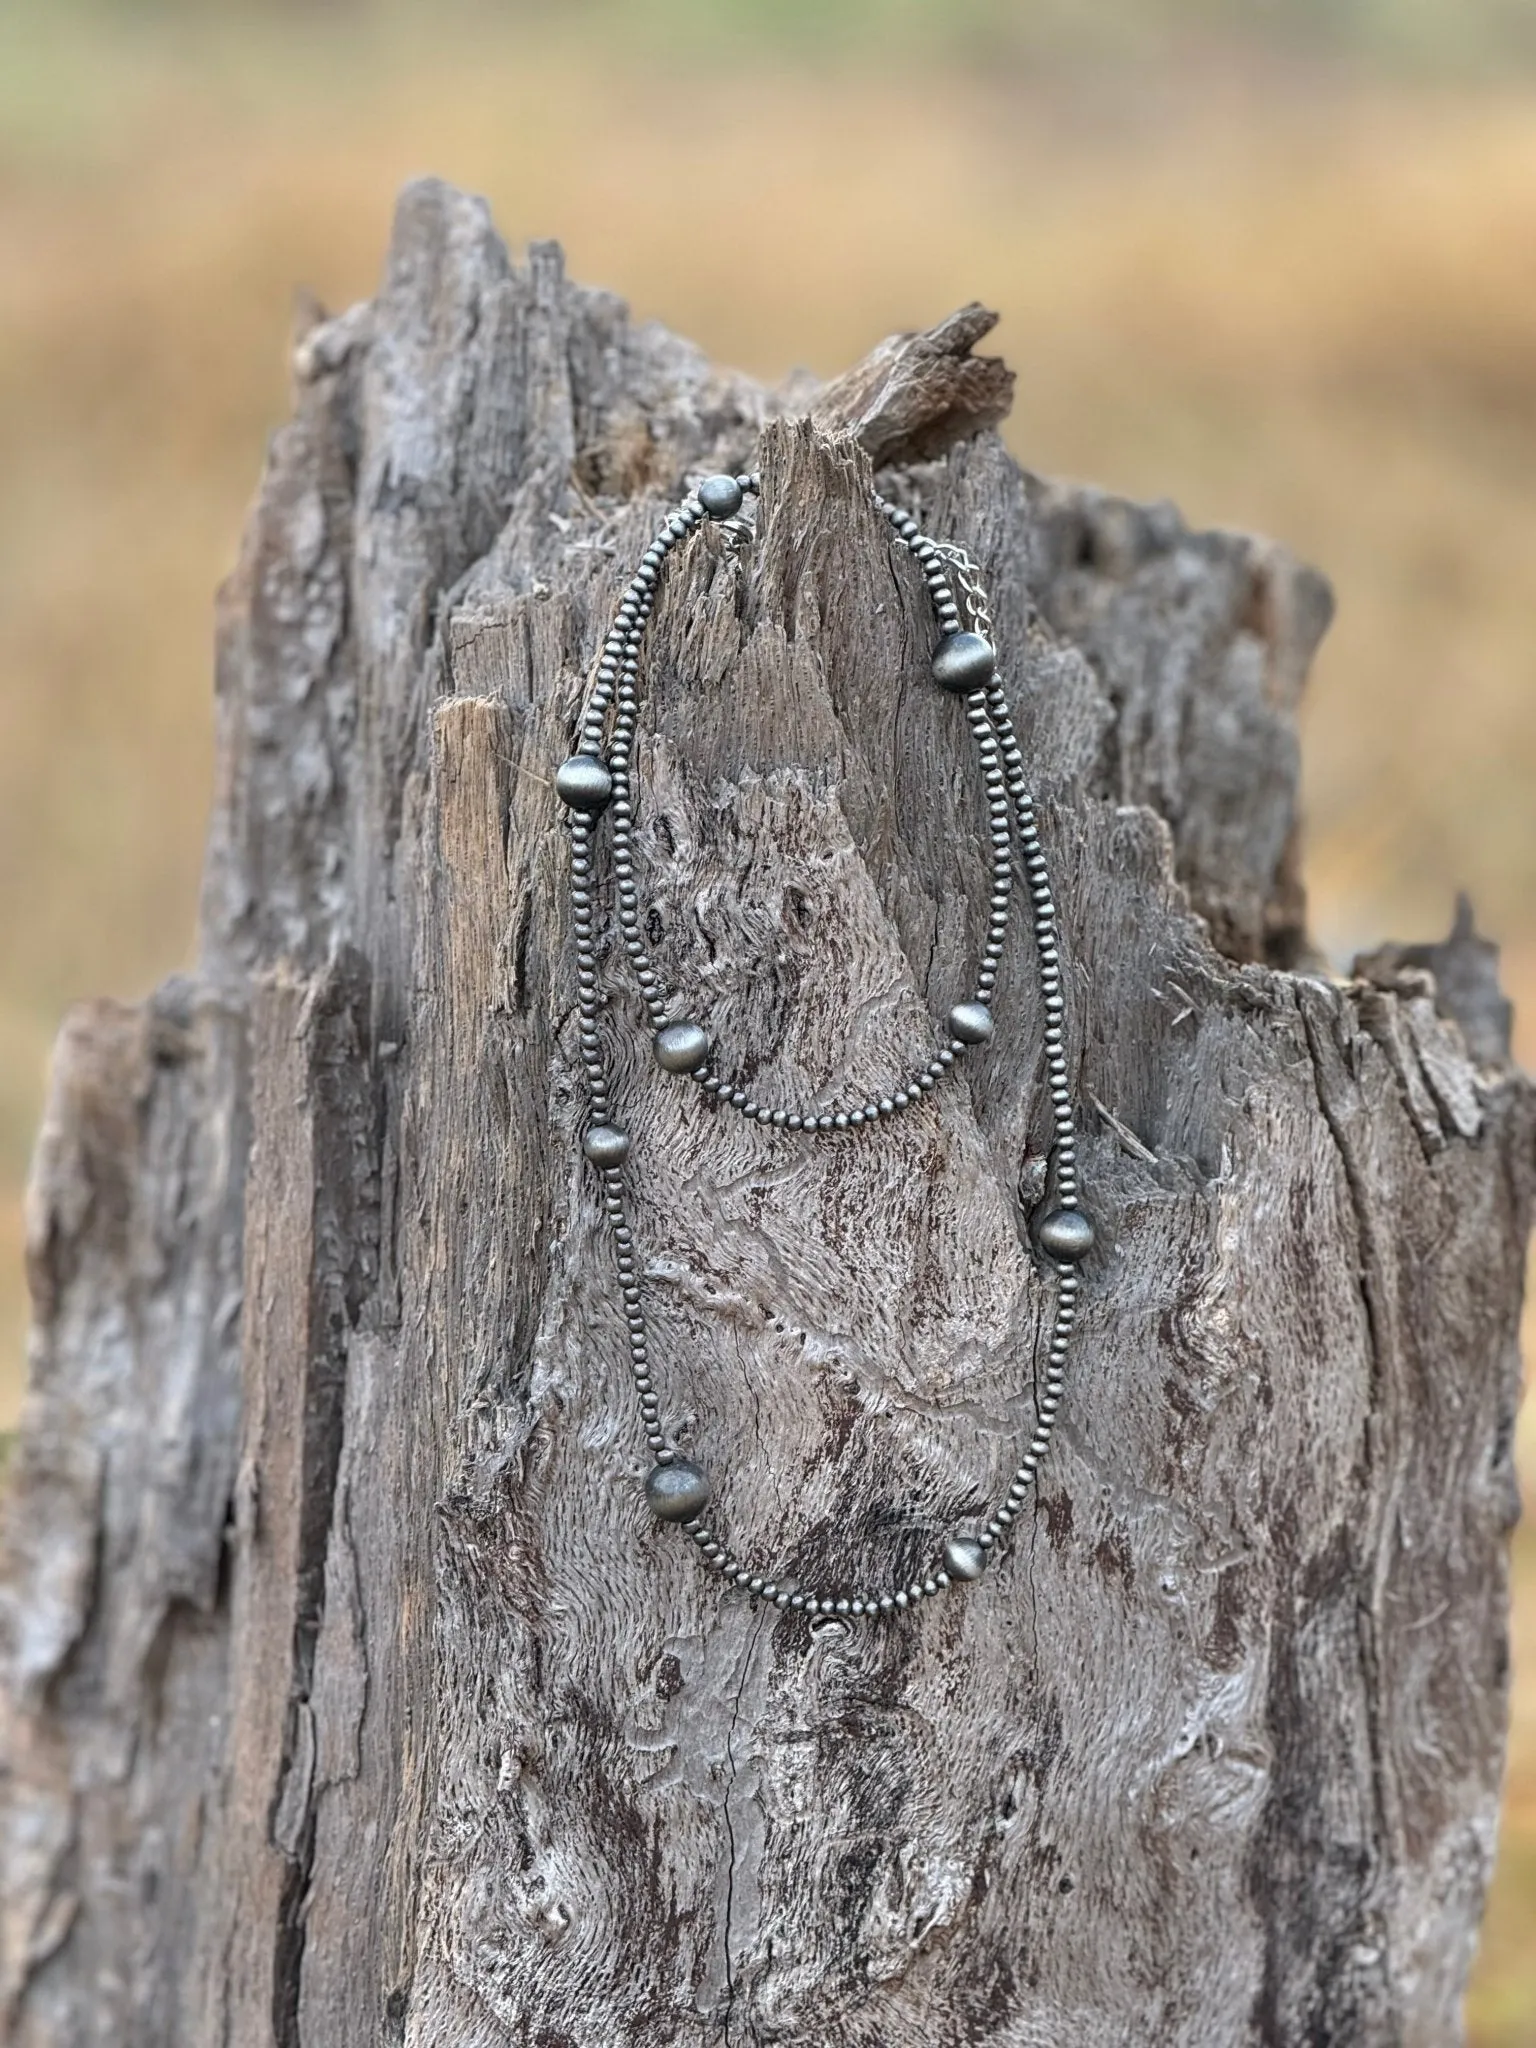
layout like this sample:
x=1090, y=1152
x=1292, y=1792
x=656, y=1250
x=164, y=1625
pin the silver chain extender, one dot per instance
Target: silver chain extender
x=597, y=778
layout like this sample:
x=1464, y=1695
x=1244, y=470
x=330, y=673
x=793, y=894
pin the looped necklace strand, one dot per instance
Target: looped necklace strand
x=597, y=779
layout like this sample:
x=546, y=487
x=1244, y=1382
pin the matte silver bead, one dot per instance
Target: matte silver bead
x=964, y=1558
x=583, y=782
x=606, y=1145
x=971, y=1023
x=676, y=1492
x=720, y=496
x=681, y=1048
x=1066, y=1234
x=963, y=662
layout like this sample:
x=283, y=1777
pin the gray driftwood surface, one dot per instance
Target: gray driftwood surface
x=351, y=1698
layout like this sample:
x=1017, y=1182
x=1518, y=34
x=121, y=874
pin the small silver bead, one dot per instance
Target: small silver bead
x=681, y=1048
x=971, y=1023
x=583, y=782
x=963, y=662
x=1066, y=1234
x=720, y=496
x=964, y=1558
x=676, y=1492
x=606, y=1145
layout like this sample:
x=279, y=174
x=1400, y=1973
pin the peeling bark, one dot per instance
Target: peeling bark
x=349, y=1696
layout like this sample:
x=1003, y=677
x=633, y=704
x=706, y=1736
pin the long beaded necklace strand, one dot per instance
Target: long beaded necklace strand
x=597, y=778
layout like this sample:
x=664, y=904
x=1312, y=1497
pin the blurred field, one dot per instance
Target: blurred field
x=1293, y=288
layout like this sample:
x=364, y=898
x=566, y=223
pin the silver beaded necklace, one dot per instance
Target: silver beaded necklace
x=597, y=779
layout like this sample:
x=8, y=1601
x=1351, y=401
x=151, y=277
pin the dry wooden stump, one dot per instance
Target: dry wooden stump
x=350, y=1696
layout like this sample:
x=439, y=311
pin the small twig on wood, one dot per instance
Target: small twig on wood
x=1123, y=1132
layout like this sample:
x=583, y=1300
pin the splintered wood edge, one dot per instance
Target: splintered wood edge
x=915, y=395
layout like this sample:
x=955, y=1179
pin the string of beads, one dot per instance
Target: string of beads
x=597, y=781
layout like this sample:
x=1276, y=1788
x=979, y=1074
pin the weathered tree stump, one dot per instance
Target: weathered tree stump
x=351, y=1696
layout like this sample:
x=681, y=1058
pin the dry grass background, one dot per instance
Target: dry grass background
x=1293, y=288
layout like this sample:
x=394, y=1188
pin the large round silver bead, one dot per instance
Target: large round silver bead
x=720, y=496
x=681, y=1048
x=606, y=1145
x=964, y=1558
x=971, y=1023
x=583, y=782
x=1066, y=1234
x=963, y=662
x=676, y=1492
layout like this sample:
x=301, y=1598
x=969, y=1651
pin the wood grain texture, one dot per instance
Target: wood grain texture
x=350, y=1695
